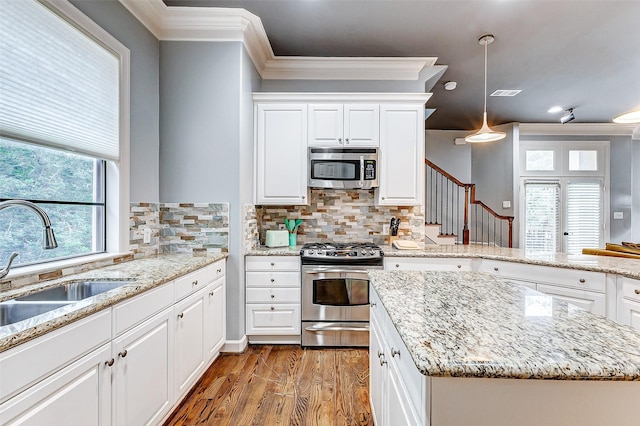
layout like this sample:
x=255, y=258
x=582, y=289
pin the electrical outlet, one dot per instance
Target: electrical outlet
x=618, y=215
x=146, y=237
x=385, y=229
x=281, y=227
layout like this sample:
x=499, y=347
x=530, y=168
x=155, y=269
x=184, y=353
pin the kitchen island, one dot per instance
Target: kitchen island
x=470, y=348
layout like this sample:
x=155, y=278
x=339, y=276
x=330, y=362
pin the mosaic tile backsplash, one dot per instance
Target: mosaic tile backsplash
x=342, y=216
x=200, y=228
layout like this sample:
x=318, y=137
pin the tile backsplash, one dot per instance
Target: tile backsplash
x=341, y=216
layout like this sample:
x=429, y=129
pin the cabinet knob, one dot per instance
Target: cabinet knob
x=272, y=280
x=303, y=197
x=219, y=270
x=110, y=362
x=397, y=265
x=195, y=282
x=383, y=198
x=273, y=296
x=273, y=264
x=380, y=354
x=347, y=140
x=211, y=293
x=382, y=361
x=394, y=352
x=181, y=315
x=582, y=280
x=459, y=266
x=273, y=309
x=123, y=354
x=636, y=291
x=495, y=268
x=340, y=140
x=373, y=304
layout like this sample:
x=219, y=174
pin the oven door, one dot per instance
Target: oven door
x=335, y=293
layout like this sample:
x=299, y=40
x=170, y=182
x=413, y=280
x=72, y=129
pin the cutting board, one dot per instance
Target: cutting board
x=604, y=252
x=622, y=248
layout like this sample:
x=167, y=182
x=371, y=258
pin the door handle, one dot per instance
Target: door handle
x=565, y=233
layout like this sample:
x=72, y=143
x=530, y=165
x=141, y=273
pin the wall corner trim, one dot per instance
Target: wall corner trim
x=235, y=346
x=239, y=25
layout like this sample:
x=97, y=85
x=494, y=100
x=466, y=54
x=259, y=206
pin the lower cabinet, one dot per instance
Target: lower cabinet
x=628, y=302
x=427, y=264
x=144, y=375
x=126, y=365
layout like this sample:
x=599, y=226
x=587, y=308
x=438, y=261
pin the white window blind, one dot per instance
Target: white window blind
x=58, y=86
x=542, y=217
x=584, y=215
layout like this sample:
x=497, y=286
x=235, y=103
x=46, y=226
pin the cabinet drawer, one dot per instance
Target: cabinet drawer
x=218, y=269
x=273, y=295
x=194, y=281
x=273, y=279
x=272, y=263
x=32, y=361
x=573, y=278
x=133, y=311
x=273, y=319
x=631, y=289
x=588, y=300
x=427, y=264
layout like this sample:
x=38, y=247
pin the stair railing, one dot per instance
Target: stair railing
x=448, y=197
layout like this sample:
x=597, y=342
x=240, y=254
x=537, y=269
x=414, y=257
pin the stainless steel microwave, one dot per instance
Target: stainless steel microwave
x=343, y=168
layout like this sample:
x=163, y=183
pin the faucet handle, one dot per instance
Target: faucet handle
x=4, y=272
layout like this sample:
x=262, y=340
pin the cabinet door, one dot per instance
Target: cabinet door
x=588, y=300
x=144, y=371
x=189, y=348
x=215, y=315
x=79, y=394
x=377, y=375
x=399, y=411
x=427, y=264
x=401, y=155
x=281, y=154
x=629, y=313
x=274, y=319
x=361, y=125
x=325, y=125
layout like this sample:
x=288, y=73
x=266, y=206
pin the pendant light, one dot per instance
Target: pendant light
x=485, y=134
x=630, y=117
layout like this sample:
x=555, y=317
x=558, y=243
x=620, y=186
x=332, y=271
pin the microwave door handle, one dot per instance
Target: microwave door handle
x=361, y=170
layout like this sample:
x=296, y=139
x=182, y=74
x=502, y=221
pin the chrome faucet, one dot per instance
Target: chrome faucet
x=48, y=238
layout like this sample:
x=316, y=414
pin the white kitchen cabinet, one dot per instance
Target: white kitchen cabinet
x=401, y=155
x=427, y=264
x=273, y=299
x=281, y=154
x=79, y=394
x=628, y=302
x=344, y=125
x=378, y=375
x=587, y=300
x=144, y=371
x=189, y=316
x=215, y=318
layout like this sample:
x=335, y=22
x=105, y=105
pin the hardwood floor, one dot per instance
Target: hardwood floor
x=281, y=385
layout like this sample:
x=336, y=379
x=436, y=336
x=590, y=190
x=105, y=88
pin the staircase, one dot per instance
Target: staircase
x=454, y=216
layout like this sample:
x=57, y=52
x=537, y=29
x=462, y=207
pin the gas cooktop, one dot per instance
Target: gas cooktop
x=341, y=252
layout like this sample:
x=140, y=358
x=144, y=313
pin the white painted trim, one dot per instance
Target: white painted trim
x=305, y=97
x=578, y=129
x=239, y=25
x=235, y=346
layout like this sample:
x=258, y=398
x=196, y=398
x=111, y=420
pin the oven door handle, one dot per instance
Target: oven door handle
x=336, y=271
x=316, y=328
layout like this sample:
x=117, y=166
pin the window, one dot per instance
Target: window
x=563, y=209
x=63, y=131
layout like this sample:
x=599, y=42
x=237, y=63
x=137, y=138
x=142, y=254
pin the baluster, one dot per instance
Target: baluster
x=437, y=197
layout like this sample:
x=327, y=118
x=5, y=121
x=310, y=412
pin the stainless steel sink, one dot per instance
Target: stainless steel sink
x=73, y=291
x=12, y=312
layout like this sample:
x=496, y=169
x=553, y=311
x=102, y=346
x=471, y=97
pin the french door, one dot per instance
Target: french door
x=563, y=214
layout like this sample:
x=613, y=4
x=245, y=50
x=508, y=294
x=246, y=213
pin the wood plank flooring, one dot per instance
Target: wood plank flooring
x=281, y=385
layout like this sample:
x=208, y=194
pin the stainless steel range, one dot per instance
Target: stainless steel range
x=335, y=292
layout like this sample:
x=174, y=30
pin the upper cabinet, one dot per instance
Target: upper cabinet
x=287, y=124
x=281, y=154
x=344, y=125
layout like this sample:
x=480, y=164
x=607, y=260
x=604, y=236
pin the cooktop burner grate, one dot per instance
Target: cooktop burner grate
x=341, y=253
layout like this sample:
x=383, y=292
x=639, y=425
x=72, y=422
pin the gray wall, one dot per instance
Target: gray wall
x=206, y=142
x=455, y=159
x=112, y=16
x=635, y=191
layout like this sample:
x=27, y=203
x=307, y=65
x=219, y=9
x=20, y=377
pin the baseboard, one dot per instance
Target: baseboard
x=235, y=346
x=275, y=340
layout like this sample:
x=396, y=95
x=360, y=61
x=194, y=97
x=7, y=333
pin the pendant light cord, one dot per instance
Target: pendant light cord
x=486, y=45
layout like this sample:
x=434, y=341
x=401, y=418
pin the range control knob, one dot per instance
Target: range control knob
x=320, y=252
x=363, y=251
x=372, y=252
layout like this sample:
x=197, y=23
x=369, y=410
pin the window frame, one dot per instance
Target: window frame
x=117, y=173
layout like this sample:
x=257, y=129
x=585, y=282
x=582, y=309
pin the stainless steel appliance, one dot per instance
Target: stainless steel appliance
x=335, y=292
x=343, y=168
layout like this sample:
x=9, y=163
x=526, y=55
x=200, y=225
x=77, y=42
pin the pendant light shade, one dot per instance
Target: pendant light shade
x=630, y=117
x=485, y=134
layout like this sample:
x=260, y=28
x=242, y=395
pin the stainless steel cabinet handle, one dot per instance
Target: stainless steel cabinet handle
x=582, y=280
x=110, y=362
x=636, y=291
x=181, y=314
x=123, y=354
x=394, y=352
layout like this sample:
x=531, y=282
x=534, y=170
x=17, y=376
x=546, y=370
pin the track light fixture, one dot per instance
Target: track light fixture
x=568, y=116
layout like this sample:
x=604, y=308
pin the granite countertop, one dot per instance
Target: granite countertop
x=274, y=251
x=471, y=324
x=145, y=273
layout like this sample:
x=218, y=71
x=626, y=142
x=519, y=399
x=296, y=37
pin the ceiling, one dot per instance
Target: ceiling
x=582, y=54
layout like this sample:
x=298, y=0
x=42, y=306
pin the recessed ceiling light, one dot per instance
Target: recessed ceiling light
x=555, y=109
x=450, y=85
x=506, y=92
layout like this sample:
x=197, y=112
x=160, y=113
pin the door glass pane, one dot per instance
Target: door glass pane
x=538, y=160
x=542, y=217
x=584, y=216
x=583, y=160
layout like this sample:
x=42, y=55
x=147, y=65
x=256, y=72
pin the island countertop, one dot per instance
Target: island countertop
x=471, y=324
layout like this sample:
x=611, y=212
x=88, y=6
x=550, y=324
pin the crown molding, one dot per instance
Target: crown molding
x=238, y=25
x=580, y=129
x=317, y=97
